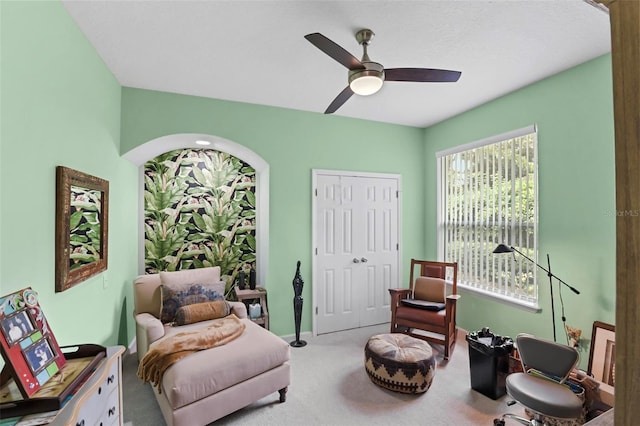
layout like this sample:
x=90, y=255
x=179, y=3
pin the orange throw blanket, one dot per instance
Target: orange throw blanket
x=168, y=351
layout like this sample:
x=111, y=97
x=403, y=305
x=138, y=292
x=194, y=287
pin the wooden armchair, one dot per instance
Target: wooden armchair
x=426, y=306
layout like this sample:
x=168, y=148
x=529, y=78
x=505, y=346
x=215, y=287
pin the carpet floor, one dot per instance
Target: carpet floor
x=329, y=386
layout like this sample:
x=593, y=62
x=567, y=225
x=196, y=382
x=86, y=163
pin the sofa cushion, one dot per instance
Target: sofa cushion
x=174, y=296
x=423, y=304
x=202, y=311
x=431, y=289
x=189, y=276
x=204, y=373
x=181, y=282
x=404, y=313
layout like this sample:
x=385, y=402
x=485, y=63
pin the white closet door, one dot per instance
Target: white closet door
x=356, y=254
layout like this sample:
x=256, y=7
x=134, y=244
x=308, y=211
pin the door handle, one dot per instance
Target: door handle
x=364, y=260
x=356, y=260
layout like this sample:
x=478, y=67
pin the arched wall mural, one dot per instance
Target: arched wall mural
x=199, y=211
x=202, y=206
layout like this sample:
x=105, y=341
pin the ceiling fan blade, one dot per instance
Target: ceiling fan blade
x=339, y=100
x=425, y=75
x=335, y=51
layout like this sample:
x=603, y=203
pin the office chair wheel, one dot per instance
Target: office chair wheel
x=498, y=422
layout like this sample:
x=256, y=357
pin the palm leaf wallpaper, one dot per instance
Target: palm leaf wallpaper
x=199, y=211
x=84, y=227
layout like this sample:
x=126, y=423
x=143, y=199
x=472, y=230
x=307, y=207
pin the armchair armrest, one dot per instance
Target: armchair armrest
x=450, y=313
x=238, y=308
x=401, y=291
x=148, y=330
x=451, y=303
x=397, y=294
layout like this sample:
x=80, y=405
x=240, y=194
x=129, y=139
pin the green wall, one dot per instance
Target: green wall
x=292, y=143
x=61, y=106
x=574, y=114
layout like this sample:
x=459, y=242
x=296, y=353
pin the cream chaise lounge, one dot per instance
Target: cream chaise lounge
x=208, y=384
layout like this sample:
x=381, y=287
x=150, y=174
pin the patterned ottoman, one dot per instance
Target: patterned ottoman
x=399, y=362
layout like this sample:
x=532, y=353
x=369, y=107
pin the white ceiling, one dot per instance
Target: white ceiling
x=255, y=51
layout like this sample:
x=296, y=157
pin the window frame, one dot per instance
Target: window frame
x=531, y=305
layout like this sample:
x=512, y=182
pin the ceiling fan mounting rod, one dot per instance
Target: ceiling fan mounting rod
x=364, y=37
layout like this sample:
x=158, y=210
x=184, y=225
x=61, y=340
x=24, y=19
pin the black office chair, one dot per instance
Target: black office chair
x=541, y=388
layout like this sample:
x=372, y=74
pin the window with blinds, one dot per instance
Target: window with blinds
x=487, y=195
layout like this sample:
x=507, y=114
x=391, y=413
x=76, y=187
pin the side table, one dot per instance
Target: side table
x=248, y=296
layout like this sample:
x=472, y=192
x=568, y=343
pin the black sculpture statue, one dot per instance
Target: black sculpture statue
x=252, y=279
x=241, y=280
x=297, y=307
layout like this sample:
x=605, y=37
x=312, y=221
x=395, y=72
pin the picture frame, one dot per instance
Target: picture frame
x=38, y=355
x=17, y=326
x=82, y=227
x=31, y=355
x=602, y=354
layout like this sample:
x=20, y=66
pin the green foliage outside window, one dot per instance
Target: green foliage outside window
x=490, y=195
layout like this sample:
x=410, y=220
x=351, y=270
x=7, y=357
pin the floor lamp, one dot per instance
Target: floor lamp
x=503, y=248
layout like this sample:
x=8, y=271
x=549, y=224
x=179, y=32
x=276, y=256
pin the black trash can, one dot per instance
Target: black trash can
x=489, y=362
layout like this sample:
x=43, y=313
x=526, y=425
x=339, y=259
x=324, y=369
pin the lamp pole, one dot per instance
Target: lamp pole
x=503, y=248
x=553, y=309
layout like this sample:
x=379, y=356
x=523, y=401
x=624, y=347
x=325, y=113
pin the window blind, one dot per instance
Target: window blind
x=487, y=195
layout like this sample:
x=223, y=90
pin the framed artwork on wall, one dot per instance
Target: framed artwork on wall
x=602, y=355
x=29, y=348
x=82, y=224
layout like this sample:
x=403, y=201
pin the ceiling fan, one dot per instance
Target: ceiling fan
x=365, y=76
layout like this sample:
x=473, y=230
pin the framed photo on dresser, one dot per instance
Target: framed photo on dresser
x=31, y=353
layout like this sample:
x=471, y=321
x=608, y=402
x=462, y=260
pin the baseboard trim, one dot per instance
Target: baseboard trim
x=462, y=333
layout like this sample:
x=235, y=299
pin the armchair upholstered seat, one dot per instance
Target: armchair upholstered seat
x=210, y=383
x=426, y=306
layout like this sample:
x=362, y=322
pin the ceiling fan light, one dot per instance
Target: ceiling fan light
x=367, y=81
x=366, y=85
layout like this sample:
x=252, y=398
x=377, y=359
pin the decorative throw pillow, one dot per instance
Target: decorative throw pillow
x=423, y=304
x=202, y=312
x=175, y=296
x=429, y=288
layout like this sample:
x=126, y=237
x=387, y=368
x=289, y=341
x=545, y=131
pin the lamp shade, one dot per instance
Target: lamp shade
x=366, y=81
x=366, y=84
x=503, y=248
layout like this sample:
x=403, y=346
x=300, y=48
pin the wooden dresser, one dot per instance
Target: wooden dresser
x=97, y=401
